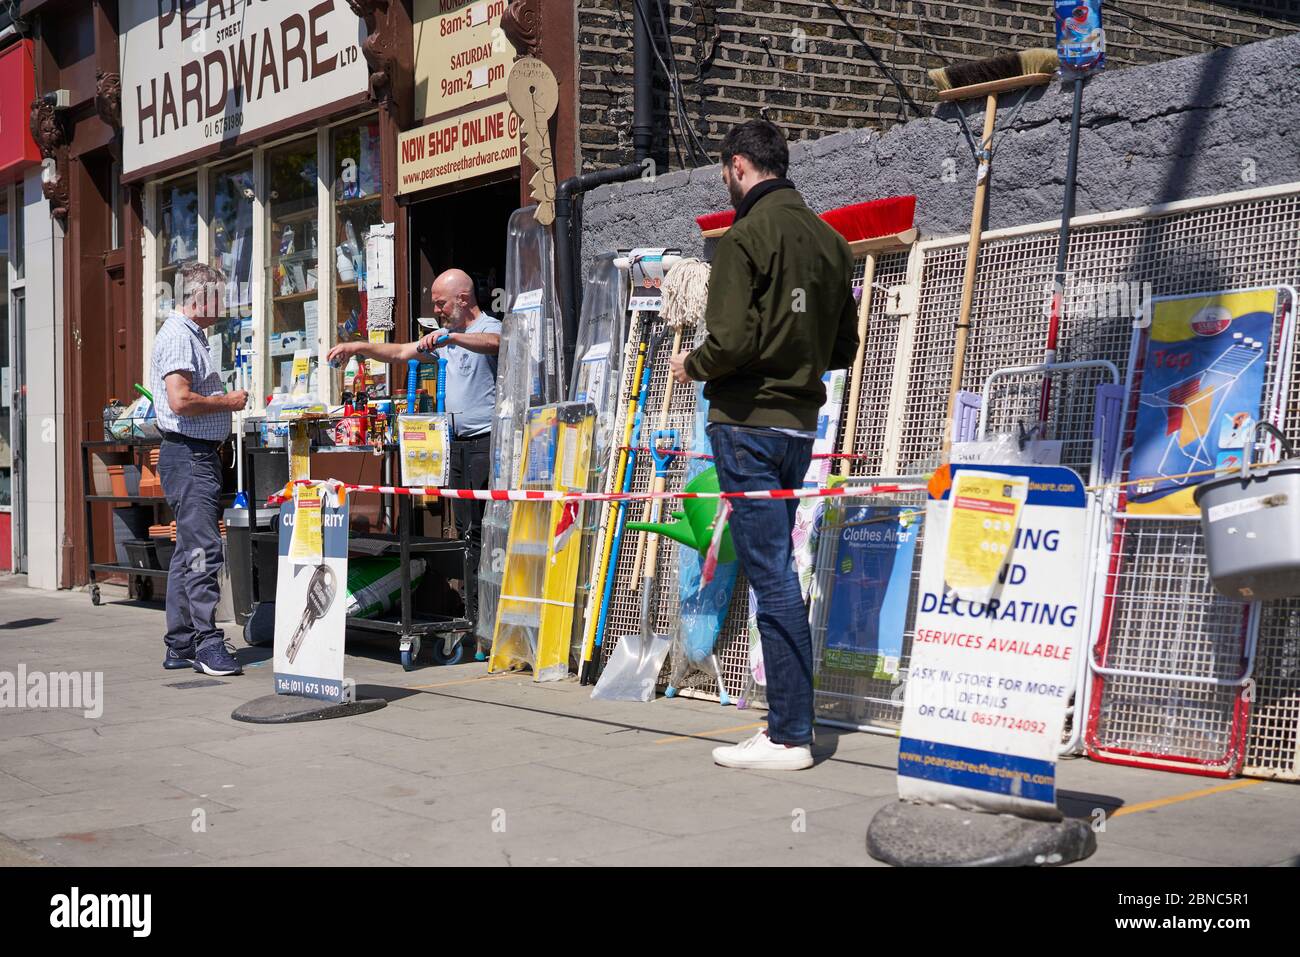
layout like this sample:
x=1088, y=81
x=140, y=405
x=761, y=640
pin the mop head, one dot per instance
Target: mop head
x=686, y=293
x=1023, y=63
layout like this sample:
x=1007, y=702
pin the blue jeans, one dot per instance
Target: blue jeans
x=190, y=472
x=750, y=459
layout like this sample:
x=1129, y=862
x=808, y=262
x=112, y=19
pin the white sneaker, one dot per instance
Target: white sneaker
x=760, y=754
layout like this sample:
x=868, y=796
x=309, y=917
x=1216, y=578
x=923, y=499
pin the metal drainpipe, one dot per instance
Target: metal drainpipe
x=568, y=246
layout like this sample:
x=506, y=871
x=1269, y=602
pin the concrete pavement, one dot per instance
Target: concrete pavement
x=465, y=768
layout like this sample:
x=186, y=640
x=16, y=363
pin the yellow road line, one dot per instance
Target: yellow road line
x=1179, y=798
x=466, y=681
x=708, y=734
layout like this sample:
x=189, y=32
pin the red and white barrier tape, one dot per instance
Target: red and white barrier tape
x=687, y=453
x=548, y=495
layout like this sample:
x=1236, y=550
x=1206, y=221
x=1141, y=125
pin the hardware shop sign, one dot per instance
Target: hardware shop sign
x=999, y=618
x=199, y=73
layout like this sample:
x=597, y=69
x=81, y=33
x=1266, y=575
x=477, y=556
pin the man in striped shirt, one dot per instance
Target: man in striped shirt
x=194, y=414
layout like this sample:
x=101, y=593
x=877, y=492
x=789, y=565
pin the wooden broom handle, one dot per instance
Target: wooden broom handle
x=859, y=360
x=657, y=485
x=968, y=281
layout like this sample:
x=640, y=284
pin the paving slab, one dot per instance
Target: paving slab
x=769, y=844
x=115, y=847
x=294, y=825
x=340, y=854
x=539, y=835
x=70, y=772
x=13, y=789
x=82, y=812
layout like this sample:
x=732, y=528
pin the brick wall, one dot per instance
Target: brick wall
x=799, y=61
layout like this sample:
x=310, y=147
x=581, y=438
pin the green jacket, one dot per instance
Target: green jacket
x=780, y=313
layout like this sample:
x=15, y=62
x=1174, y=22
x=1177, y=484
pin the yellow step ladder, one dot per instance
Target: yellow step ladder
x=535, y=613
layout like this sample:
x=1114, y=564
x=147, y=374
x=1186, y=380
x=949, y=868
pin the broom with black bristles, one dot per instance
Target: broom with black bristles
x=964, y=81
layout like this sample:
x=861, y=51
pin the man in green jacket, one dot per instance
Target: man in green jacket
x=780, y=313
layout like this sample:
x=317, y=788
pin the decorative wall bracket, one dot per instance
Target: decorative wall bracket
x=108, y=98
x=380, y=47
x=522, y=24
x=50, y=131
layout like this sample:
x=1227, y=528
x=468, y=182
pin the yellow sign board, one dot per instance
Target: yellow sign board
x=981, y=531
x=306, y=543
x=461, y=55
x=481, y=141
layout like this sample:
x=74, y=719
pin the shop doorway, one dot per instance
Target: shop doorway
x=465, y=230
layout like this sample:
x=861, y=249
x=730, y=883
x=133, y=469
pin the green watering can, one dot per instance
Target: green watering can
x=693, y=525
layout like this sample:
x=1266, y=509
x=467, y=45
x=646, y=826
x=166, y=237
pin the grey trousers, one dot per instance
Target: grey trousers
x=470, y=467
x=190, y=472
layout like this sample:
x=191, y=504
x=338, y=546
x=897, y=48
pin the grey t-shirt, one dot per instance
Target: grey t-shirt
x=472, y=383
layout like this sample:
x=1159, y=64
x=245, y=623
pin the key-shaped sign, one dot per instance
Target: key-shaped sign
x=534, y=95
x=321, y=591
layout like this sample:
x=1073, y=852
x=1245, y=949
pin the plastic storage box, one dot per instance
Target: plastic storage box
x=1251, y=523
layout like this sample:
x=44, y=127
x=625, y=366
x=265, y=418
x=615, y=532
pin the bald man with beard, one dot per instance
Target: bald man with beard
x=474, y=339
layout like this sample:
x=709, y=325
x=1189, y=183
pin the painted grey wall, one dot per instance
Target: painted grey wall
x=1197, y=126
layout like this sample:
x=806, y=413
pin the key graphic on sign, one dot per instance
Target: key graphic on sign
x=534, y=95
x=321, y=591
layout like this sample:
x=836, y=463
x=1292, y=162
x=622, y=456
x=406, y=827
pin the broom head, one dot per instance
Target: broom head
x=712, y=224
x=880, y=217
x=1038, y=62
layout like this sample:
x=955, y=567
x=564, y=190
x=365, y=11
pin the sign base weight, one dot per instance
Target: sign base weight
x=289, y=709
x=923, y=835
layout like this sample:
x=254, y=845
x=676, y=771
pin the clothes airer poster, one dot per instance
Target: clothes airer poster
x=1202, y=385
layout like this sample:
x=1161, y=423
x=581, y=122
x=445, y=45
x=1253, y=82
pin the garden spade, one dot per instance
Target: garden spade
x=634, y=666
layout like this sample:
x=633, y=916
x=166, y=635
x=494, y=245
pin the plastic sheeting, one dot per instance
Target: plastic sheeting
x=529, y=373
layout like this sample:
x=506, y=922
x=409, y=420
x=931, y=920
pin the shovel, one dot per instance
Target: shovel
x=634, y=666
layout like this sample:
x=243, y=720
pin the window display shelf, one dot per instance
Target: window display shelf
x=296, y=297
x=298, y=216
x=358, y=201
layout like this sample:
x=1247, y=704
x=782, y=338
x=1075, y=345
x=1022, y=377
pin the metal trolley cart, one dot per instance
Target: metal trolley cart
x=140, y=577
x=418, y=617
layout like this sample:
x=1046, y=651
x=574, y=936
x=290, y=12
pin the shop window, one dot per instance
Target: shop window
x=292, y=262
x=230, y=248
x=357, y=207
x=177, y=237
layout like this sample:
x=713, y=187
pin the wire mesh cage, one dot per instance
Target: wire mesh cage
x=1175, y=652
x=854, y=689
x=1162, y=708
x=877, y=367
x=1114, y=267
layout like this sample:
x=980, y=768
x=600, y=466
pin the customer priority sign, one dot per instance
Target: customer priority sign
x=991, y=675
x=311, y=594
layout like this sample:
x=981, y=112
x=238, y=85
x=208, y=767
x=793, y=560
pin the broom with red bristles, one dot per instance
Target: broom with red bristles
x=870, y=228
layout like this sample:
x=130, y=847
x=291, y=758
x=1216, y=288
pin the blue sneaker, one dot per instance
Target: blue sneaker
x=216, y=660
x=176, y=659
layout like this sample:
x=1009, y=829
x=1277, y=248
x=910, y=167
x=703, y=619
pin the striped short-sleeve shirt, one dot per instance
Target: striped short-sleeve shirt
x=181, y=346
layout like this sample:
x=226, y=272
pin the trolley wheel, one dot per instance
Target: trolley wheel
x=410, y=649
x=454, y=656
x=95, y=597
